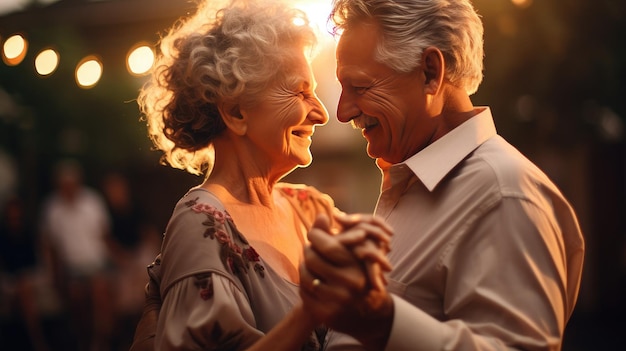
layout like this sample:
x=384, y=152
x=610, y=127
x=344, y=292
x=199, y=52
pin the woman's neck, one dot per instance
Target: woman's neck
x=239, y=177
x=267, y=219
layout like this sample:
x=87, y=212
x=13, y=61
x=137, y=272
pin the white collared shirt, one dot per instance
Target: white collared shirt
x=487, y=252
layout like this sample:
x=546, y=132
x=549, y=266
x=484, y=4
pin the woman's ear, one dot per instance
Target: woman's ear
x=233, y=118
x=433, y=65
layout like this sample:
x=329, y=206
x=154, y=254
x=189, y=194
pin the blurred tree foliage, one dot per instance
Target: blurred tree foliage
x=553, y=67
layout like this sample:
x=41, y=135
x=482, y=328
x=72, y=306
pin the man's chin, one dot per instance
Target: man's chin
x=371, y=152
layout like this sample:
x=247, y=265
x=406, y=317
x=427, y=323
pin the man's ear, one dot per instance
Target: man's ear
x=433, y=65
x=233, y=118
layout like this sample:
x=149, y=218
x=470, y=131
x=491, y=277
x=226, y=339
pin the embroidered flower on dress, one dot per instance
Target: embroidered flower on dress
x=219, y=216
x=300, y=194
x=222, y=236
x=191, y=202
x=204, y=282
x=206, y=294
x=250, y=254
x=302, y=199
x=303, y=195
x=234, y=257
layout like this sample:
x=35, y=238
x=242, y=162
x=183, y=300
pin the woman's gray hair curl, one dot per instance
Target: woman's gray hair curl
x=226, y=53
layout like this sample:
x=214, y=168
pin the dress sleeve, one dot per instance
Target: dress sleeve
x=308, y=202
x=206, y=312
x=204, y=304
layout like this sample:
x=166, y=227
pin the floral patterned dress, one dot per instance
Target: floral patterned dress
x=216, y=291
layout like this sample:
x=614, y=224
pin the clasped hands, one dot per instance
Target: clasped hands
x=342, y=277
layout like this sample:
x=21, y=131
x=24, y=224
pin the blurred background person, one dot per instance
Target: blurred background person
x=21, y=325
x=74, y=230
x=134, y=242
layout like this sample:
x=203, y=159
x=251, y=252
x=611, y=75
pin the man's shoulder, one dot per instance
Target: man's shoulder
x=504, y=168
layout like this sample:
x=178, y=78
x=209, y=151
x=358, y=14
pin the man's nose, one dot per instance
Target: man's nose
x=347, y=109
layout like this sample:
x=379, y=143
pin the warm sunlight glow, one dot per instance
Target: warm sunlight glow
x=140, y=60
x=522, y=3
x=317, y=11
x=46, y=62
x=298, y=21
x=14, y=50
x=88, y=72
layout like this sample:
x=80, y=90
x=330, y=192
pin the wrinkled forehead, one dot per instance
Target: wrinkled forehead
x=297, y=70
x=366, y=34
x=358, y=45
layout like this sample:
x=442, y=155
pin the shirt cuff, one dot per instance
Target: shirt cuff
x=413, y=329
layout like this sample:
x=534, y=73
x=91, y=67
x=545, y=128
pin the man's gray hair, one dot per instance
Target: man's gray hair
x=410, y=26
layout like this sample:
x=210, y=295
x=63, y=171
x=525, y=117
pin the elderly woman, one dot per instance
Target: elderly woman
x=233, y=96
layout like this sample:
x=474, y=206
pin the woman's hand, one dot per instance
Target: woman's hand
x=342, y=277
x=369, y=239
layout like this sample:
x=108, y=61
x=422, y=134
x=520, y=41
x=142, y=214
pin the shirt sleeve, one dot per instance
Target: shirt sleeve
x=506, y=287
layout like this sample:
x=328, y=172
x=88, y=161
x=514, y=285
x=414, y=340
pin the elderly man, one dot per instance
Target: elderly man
x=487, y=252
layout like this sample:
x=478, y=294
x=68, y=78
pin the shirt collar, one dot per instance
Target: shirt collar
x=435, y=161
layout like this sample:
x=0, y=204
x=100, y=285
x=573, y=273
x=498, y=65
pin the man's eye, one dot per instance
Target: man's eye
x=360, y=90
x=301, y=95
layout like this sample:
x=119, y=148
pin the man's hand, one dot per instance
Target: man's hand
x=369, y=238
x=342, y=281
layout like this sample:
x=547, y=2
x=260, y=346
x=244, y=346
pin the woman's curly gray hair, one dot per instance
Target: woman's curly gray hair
x=227, y=52
x=410, y=26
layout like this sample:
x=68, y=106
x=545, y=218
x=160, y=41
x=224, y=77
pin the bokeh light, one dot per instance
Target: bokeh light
x=14, y=50
x=88, y=72
x=522, y=3
x=298, y=21
x=46, y=62
x=140, y=59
